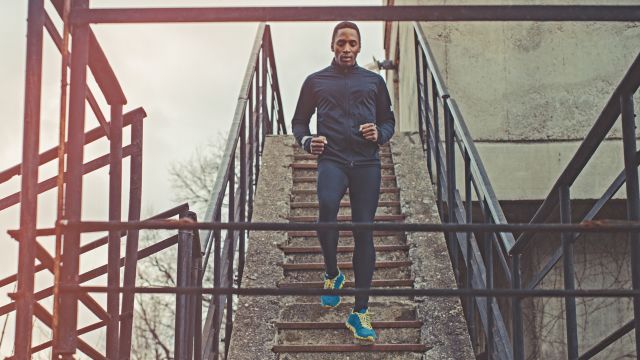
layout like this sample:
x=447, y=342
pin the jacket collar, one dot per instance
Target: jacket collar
x=343, y=69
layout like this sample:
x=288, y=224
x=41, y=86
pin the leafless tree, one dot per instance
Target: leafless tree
x=154, y=319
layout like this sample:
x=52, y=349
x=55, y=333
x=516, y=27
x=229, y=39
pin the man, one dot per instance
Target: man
x=354, y=118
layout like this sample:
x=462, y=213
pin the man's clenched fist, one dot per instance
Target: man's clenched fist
x=369, y=131
x=317, y=144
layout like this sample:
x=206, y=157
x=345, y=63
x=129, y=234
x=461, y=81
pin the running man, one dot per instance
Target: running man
x=354, y=117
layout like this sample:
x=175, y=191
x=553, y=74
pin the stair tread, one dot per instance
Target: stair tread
x=374, y=283
x=313, y=191
x=306, y=218
x=315, y=204
x=340, y=325
x=341, y=249
x=344, y=265
x=300, y=165
x=315, y=178
x=312, y=233
x=351, y=348
x=313, y=157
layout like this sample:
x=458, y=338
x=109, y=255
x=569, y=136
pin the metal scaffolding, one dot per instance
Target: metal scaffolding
x=259, y=112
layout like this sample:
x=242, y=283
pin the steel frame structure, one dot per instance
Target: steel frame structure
x=433, y=95
x=258, y=111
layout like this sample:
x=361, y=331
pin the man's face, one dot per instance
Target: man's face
x=346, y=47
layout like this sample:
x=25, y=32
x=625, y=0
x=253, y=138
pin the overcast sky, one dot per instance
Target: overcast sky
x=186, y=76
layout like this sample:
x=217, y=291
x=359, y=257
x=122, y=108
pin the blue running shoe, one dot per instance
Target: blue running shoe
x=360, y=325
x=331, y=301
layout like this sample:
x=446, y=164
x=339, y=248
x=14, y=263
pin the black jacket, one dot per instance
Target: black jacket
x=345, y=98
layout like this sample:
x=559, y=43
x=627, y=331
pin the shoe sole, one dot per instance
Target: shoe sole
x=331, y=307
x=339, y=298
x=369, y=340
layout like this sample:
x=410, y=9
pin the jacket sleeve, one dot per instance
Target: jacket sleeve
x=304, y=109
x=385, y=120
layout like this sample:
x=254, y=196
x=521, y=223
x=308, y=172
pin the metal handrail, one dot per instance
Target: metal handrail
x=258, y=124
x=478, y=266
x=477, y=166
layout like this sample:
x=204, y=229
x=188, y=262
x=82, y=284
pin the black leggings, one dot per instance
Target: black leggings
x=364, y=191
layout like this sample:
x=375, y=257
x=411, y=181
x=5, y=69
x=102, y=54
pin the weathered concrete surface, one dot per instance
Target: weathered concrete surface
x=444, y=324
x=516, y=82
x=601, y=261
x=527, y=171
x=254, y=332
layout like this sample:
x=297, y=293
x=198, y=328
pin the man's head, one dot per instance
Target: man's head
x=345, y=43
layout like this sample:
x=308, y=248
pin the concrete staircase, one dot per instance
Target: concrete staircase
x=296, y=327
x=304, y=329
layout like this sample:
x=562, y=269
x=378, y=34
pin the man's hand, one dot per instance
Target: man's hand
x=369, y=131
x=317, y=144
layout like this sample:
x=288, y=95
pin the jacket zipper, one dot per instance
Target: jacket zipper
x=349, y=119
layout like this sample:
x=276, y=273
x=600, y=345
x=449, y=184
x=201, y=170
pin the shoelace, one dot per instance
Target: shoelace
x=328, y=283
x=365, y=320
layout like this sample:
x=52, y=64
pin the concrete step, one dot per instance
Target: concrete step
x=311, y=171
x=306, y=156
x=346, y=256
x=309, y=195
x=383, y=190
x=344, y=211
x=382, y=150
x=347, y=218
x=311, y=325
x=352, y=352
x=341, y=249
x=308, y=276
x=377, y=283
x=345, y=233
x=306, y=166
x=385, y=183
x=380, y=311
x=347, y=240
x=316, y=205
x=309, y=160
x=343, y=336
x=314, y=266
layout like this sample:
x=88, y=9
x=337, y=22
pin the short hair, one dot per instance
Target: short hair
x=345, y=25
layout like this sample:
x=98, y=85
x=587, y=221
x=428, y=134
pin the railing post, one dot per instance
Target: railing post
x=427, y=122
x=633, y=199
x=421, y=114
x=115, y=205
x=228, y=326
x=436, y=143
x=197, y=280
x=250, y=148
x=451, y=183
x=29, y=180
x=469, y=268
x=488, y=250
x=263, y=96
x=266, y=125
x=243, y=195
x=569, y=276
x=516, y=308
x=68, y=333
x=131, y=251
x=257, y=108
x=184, y=267
x=216, y=284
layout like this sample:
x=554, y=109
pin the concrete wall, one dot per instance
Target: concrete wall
x=542, y=84
x=529, y=92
